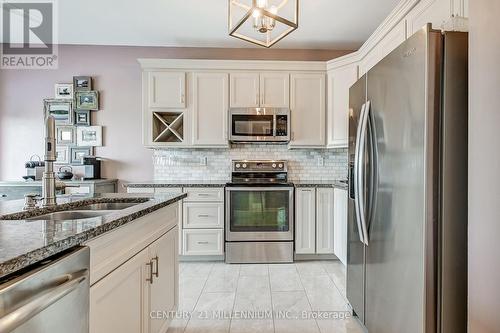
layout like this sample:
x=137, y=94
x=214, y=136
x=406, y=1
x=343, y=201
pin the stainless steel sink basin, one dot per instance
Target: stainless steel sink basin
x=70, y=215
x=107, y=206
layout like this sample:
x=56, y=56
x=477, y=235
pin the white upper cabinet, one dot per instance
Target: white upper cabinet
x=437, y=12
x=275, y=90
x=386, y=45
x=339, y=81
x=305, y=220
x=340, y=224
x=210, y=109
x=307, y=107
x=167, y=90
x=244, y=90
x=324, y=220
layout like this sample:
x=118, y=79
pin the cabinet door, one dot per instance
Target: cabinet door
x=436, y=12
x=244, y=90
x=340, y=224
x=307, y=107
x=164, y=290
x=305, y=220
x=118, y=301
x=275, y=90
x=324, y=220
x=339, y=82
x=167, y=89
x=210, y=109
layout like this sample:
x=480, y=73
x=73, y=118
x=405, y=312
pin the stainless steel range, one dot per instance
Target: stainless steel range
x=259, y=213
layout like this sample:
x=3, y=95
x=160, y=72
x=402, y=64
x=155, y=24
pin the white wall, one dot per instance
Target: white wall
x=484, y=167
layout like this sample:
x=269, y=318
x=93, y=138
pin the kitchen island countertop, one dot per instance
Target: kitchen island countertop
x=24, y=242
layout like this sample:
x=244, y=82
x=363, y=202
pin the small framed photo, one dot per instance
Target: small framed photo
x=63, y=91
x=82, y=118
x=65, y=135
x=89, y=136
x=77, y=153
x=62, y=154
x=82, y=83
x=62, y=110
x=87, y=100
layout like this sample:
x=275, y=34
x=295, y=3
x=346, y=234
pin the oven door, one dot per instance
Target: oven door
x=259, y=213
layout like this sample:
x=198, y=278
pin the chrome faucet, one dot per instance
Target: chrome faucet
x=49, y=184
x=49, y=177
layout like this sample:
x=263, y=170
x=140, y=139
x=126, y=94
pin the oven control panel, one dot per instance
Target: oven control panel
x=259, y=166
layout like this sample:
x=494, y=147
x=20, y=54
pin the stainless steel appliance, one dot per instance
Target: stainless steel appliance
x=259, y=213
x=53, y=297
x=259, y=125
x=407, y=231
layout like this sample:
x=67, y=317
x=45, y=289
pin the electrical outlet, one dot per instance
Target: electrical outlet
x=321, y=161
x=203, y=160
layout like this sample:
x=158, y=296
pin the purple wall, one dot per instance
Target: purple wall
x=117, y=76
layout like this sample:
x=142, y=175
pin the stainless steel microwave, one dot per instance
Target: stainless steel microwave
x=259, y=125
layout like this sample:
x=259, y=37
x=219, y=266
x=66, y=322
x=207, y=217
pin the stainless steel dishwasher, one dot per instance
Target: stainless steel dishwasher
x=53, y=297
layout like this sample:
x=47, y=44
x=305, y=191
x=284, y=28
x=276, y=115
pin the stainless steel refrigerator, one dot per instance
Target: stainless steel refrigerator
x=407, y=232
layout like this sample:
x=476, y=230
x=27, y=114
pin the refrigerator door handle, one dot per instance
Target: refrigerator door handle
x=356, y=175
x=361, y=171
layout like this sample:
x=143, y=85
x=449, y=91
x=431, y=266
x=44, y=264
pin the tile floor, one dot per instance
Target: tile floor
x=216, y=297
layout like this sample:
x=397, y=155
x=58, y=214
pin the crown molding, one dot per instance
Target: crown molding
x=231, y=65
x=395, y=17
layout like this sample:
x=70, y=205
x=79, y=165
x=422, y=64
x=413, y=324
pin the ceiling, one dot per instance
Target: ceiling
x=323, y=24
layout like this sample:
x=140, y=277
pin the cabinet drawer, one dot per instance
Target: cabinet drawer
x=203, y=215
x=204, y=194
x=78, y=190
x=168, y=190
x=203, y=241
x=140, y=190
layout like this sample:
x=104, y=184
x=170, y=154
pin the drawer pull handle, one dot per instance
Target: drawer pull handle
x=203, y=194
x=203, y=215
x=203, y=242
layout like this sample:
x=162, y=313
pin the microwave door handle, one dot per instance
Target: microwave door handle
x=274, y=127
x=356, y=172
x=362, y=172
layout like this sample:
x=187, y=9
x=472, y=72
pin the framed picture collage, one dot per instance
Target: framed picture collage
x=71, y=107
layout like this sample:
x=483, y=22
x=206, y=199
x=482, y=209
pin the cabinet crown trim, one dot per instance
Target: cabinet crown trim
x=230, y=65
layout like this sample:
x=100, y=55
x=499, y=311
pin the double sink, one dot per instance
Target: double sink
x=85, y=212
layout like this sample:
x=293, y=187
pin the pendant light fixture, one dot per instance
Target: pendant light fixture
x=263, y=22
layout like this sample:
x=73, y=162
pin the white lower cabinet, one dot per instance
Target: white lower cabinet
x=123, y=300
x=199, y=242
x=203, y=215
x=118, y=303
x=305, y=220
x=325, y=220
x=340, y=200
x=320, y=221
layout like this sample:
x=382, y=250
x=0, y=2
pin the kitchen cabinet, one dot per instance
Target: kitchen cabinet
x=436, y=12
x=386, y=45
x=167, y=90
x=123, y=300
x=118, y=303
x=210, y=109
x=244, y=90
x=203, y=222
x=339, y=81
x=251, y=89
x=307, y=107
x=275, y=90
x=340, y=224
x=305, y=220
x=325, y=220
x=163, y=293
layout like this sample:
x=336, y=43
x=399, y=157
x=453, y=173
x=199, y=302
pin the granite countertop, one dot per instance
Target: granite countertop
x=184, y=183
x=24, y=242
x=321, y=183
x=39, y=182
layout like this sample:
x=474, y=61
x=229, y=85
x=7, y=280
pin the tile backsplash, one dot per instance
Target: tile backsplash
x=215, y=164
